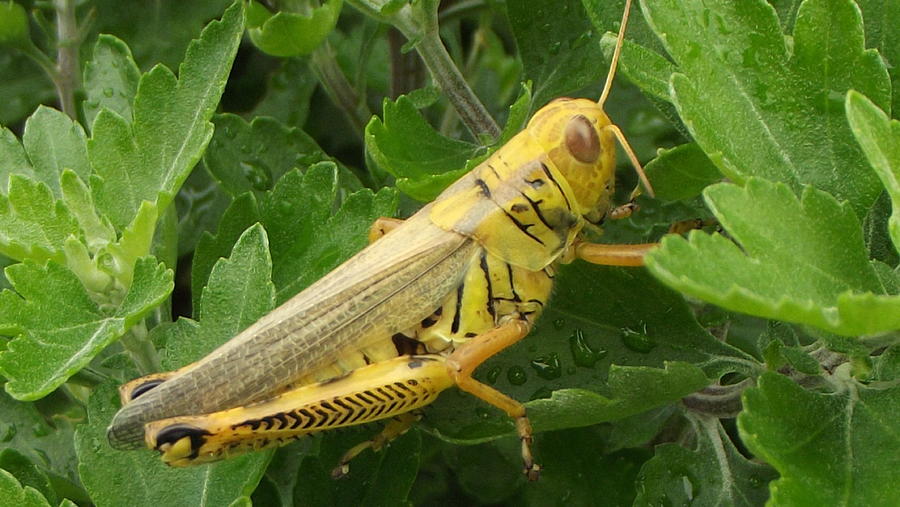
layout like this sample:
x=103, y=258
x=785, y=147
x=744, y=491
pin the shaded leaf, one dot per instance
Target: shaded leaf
x=713, y=472
x=830, y=448
x=110, y=79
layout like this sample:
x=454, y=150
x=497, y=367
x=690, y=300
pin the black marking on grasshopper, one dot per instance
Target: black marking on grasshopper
x=496, y=174
x=490, y=290
x=535, y=183
x=145, y=387
x=536, y=206
x=550, y=176
x=407, y=346
x=428, y=322
x=522, y=227
x=454, y=327
x=172, y=434
x=519, y=208
x=512, y=285
x=484, y=187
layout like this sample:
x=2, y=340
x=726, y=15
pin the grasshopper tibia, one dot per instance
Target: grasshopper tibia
x=463, y=361
x=396, y=427
x=374, y=392
x=613, y=255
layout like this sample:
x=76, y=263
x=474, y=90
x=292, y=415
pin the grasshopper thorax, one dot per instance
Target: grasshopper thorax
x=574, y=134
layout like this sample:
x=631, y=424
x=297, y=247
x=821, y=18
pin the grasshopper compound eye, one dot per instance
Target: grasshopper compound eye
x=581, y=140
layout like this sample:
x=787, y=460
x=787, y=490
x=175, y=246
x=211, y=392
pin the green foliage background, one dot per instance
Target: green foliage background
x=188, y=187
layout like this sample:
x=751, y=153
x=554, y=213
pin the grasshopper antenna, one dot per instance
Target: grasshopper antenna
x=613, y=65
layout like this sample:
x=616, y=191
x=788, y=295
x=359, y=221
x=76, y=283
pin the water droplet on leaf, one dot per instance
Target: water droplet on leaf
x=638, y=341
x=493, y=374
x=516, y=375
x=582, y=353
x=547, y=367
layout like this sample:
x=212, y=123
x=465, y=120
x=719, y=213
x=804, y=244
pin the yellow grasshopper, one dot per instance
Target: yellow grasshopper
x=414, y=313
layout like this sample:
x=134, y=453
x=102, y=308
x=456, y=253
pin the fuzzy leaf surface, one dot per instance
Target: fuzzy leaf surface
x=240, y=291
x=59, y=328
x=712, y=473
x=110, y=79
x=758, y=109
x=812, y=268
x=839, y=448
x=424, y=167
x=307, y=241
x=150, y=158
x=879, y=137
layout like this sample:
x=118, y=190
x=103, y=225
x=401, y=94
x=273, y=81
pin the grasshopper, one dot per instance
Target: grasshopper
x=414, y=313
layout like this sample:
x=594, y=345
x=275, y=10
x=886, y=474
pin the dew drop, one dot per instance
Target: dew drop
x=493, y=374
x=582, y=352
x=554, y=47
x=559, y=323
x=582, y=39
x=108, y=92
x=547, y=367
x=257, y=174
x=516, y=375
x=638, y=341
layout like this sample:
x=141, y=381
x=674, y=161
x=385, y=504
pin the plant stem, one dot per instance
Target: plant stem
x=67, y=78
x=141, y=349
x=420, y=24
x=327, y=71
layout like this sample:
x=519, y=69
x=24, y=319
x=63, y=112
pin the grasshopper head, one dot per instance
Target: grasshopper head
x=573, y=134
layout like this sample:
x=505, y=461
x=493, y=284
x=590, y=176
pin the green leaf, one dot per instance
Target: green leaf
x=712, y=473
x=613, y=342
x=576, y=467
x=53, y=143
x=110, y=79
x=78, y=199
x=21, y=496
x=405, y=145
x=643, y=67
x=812, y=268
x=12, y=159
x=59, y=328
x=376, y=478
x=246, y=157
x=288, y=33
x=758, y=109
x=681, y=173
x=557, y=45
x=27, y=473
x=14, y=30
x=838, y=448
x=23, y=88
x=200, y=204
x=880, y=140
x=307, y=241
x=288, y=93
x=48, y=444
x=239, y=292
x=149, y=159
x=33, y=225
x=140, y=477
x=881, y=34
x=632, y=390
x=240, y=214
